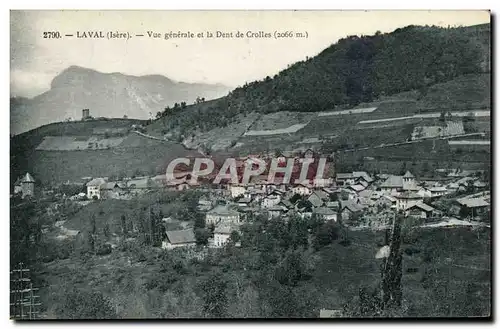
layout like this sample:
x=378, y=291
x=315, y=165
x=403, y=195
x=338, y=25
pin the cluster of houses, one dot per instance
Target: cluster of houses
x=102, y=188
x=347, y=198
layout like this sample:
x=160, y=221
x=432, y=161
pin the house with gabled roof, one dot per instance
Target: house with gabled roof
x=387, y=201
x=222, y=234
x=474, y=205
x=362, y=176
x=407, y=199
x=395, y=184
x=222, y=214
x=113, y=190
x=344, y=179
x=325, y=213
x=355, y=177
x=318, y=198
x=179, y=238
x=277, y=211
x=350, y=208
x=433, y=191
x=356, y=187
x=422, y=210
x=94, y=188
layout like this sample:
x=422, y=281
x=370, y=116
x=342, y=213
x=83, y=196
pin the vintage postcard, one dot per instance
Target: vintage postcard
x=250, y=164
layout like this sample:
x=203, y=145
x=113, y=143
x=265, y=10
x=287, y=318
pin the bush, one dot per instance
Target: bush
x=326, y=234
x=105, y=249
x=411, y=250
x=79, y=304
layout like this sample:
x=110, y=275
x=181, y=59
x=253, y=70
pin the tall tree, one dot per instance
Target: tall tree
x=392, y=268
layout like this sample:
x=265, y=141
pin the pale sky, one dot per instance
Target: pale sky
x=35, y=61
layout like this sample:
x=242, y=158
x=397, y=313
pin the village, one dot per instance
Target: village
x=356, y=200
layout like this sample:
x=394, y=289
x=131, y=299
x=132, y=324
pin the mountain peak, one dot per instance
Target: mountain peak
x=106, y=94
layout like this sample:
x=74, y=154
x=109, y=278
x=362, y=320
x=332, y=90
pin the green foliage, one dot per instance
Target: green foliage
x=106, y=230
x=352, y=71
x=235, y=236
x=273, y=274
x=291, y=269
x=215, y=296
x=70, y=189
x=326, y=234
x=80, y=304
x=123, y=222
x=202, y=235
x=104, y=249
x=199, y=222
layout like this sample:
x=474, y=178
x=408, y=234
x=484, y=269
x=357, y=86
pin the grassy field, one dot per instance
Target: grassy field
x=52, y=167
x=421, y=158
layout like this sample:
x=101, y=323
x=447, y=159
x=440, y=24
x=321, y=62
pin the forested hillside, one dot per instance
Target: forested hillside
x=354, y=70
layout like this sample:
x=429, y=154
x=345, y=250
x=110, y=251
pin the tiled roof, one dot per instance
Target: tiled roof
x=27, y=178
x=352, y=206
x=473, y=202
x=181, y=236
x=332, y=204
x=408, y=174
x=112, y=185
x=96, y=182
x=321, y=194
x=364, y=175
x=286, y=203
x=390, y=198
x=357, y=187
x=438, y=189
x=422, y=206
x=366, y=193
x=344, y=175
x=409, y=195
x=324, y=211
x=222, y=210
x=393, y=182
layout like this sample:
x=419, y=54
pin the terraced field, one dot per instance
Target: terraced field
x=68, y=143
